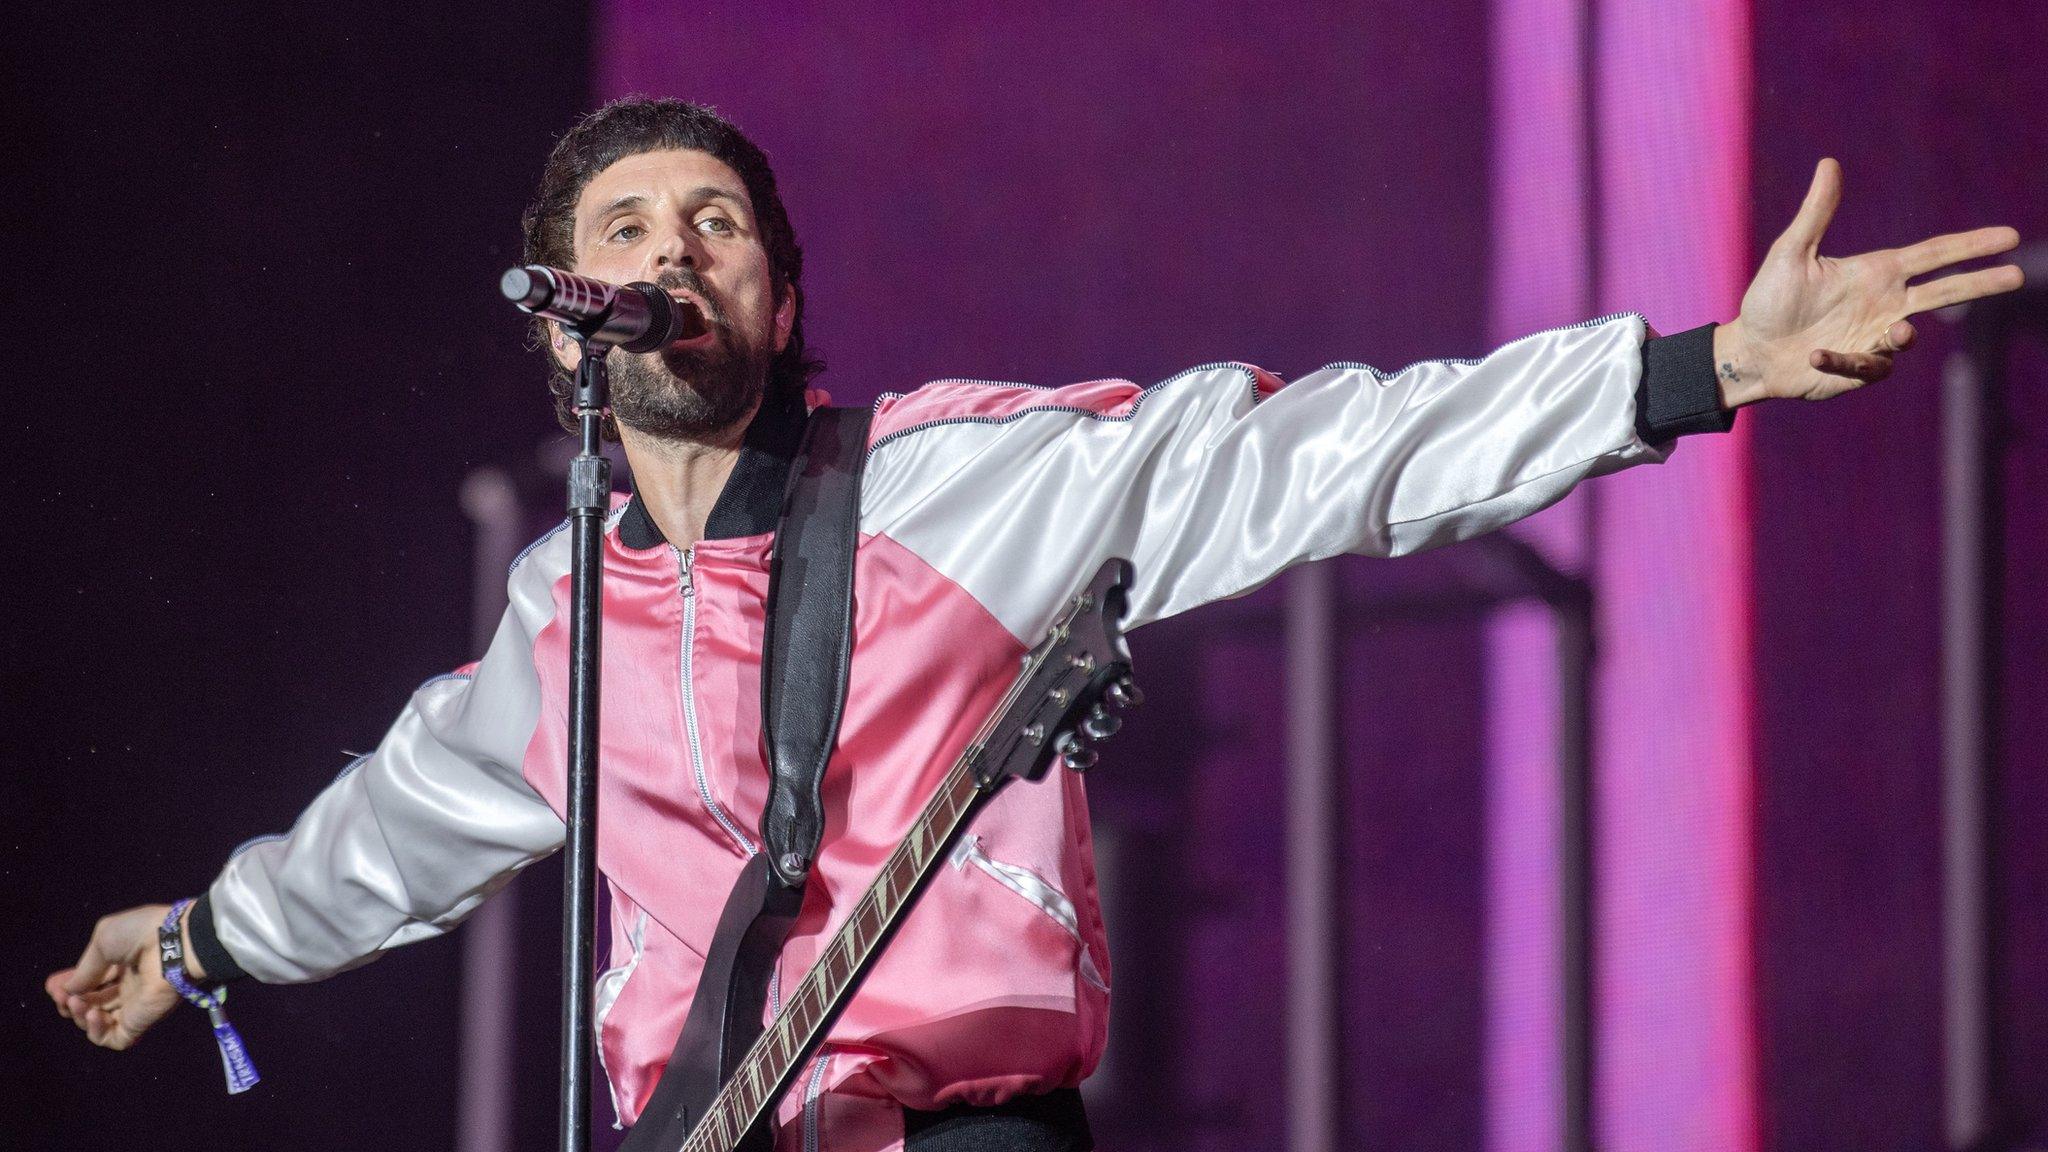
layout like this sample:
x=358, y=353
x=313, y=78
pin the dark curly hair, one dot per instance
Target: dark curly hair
x=639, y=124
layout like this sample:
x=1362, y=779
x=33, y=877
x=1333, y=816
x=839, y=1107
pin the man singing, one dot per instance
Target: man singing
x=984, y=507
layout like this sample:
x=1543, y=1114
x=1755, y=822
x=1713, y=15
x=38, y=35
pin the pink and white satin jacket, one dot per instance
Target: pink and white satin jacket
x=983, y=507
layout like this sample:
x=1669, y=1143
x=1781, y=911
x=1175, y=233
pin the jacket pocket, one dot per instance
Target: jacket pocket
x=610, y=983
x=1040, y=892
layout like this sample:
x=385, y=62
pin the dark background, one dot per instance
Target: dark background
x=242, y=546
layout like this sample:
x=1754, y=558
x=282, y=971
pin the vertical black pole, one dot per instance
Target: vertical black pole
x=590, y=487
x=1575, y=656
x=1574, y=623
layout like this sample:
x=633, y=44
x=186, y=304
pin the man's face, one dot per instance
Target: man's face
x=682, y=220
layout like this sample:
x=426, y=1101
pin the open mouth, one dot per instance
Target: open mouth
x=697, y=330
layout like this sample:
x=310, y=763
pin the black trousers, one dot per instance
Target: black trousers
x=1054, y=1122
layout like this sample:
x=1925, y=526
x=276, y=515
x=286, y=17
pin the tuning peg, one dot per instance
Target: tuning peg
x=1125, y=694
x=1077, y=755
x=1100, y=725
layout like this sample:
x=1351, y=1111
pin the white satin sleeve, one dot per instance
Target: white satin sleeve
x=409, y=839
x=1217, y=480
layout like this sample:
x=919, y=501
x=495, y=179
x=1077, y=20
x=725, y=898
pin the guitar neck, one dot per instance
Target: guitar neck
x=772, y=1064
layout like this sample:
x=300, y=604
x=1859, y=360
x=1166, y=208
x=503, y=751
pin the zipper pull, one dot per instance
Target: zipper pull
x=685, y=564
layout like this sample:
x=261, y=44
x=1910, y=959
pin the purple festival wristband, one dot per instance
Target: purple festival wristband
x=234, y=1057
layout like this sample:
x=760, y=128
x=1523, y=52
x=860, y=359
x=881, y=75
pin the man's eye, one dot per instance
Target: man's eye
x=621, y=232
x=715, y=224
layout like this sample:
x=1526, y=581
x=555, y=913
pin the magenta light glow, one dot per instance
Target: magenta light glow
x=1675, y=1037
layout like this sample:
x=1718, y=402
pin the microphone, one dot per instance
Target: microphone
x=638, y=317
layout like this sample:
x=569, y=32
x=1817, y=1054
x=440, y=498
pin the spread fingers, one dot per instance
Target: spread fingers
x=1963, y=287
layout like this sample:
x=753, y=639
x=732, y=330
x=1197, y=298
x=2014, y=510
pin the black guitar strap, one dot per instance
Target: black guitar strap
x=810, y=632
x=804, y=667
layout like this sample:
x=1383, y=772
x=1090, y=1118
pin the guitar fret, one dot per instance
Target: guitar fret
x=801, y=1006
x=944, y=804
x=753, y=1072
x=886, y=902
x=860, y=922
x=854, y=934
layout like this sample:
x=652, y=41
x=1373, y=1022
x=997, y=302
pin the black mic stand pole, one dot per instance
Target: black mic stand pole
x=590, y=490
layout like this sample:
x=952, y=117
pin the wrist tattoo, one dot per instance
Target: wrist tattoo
x=1729, y=373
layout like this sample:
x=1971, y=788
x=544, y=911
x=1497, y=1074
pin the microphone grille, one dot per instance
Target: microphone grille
x=523, y=288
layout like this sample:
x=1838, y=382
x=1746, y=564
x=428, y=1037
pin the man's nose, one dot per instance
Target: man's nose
x=674, y=251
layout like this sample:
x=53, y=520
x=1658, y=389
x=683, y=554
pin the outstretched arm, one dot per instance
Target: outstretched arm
x=1218, y=479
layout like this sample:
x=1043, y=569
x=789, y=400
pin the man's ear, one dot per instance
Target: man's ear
x=566, y=352
x=785, y=318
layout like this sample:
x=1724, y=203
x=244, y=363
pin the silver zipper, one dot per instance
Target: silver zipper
x=811, y=1132
x=684, y=560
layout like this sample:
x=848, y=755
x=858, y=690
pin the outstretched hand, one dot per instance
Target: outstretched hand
x=118, y=989
x=1815, y=326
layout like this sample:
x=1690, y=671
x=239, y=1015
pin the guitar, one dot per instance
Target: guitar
x=1067, y=698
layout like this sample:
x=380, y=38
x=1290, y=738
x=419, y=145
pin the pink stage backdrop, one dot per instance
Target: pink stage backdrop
x=1675, y=1035
x=1674, y=1050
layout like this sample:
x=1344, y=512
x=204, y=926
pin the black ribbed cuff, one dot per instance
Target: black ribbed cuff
x=1679, y=395
x=206, y=947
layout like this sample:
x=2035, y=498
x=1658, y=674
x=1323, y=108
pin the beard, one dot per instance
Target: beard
x=688, y=393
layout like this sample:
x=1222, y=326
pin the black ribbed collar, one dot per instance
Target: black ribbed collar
x=752, y=497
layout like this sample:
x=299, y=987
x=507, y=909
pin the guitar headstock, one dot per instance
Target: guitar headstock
x=1073, y=689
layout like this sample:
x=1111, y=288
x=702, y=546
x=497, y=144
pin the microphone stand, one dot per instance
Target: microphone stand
x=637, y=314
x=590, y=489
